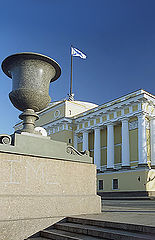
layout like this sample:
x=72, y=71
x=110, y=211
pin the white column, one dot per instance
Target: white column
x=125, y=143
x=85, y=140
x=97, y=148
x=75, y=140
x=142, y=144
x=110, y=146
x=152, y=140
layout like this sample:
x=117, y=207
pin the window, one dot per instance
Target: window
x=100, y=185
x=115, y=183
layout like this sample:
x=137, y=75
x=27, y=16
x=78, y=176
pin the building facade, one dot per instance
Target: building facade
x=120, y=136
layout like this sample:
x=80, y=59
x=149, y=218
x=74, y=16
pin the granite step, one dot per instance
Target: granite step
x=113, y=225
x=56, y=234
x=102, y=232
x=37, y=238
x=79, y=228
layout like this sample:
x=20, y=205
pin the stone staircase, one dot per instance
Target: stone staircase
x=72, y=228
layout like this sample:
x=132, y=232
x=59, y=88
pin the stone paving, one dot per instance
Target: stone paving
x=134, y=212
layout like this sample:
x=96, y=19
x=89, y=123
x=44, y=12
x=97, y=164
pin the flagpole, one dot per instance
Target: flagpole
x=71, y=79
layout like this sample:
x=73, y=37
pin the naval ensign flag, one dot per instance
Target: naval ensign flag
x=74, y=53
x=77, y=53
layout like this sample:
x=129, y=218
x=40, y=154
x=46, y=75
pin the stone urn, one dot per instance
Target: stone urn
x=31, y=75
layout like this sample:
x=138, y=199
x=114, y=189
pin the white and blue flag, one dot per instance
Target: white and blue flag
x=77, y=53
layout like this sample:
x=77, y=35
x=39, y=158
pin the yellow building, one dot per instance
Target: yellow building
x=120, y=136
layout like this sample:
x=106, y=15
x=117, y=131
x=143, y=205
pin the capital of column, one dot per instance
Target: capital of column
x=96, y=128
x=141, y=115
x=85, y=131
x=109, y=123
x=124, y=119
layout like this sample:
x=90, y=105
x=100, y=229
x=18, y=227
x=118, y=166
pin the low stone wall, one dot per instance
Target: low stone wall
x=35, y=192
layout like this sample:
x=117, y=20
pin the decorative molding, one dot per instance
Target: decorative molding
x=86, y=124
x=104, y=118
x=5, y=139
x=79, y=139
x=57, y=114
x=133, y=99
x=124, y=118
x=73, y=151
x=57, y=122
x=111, y=116
x=97, y=120
x=119, y=113
x=126, y=110
x=51, y=128
x=133, y=125
x=61, y=128
x=135, y=108
x=92, y=122
x=70, y=127
x=147, y=122
x=152, y=110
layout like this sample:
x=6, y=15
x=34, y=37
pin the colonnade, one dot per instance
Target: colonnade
x=142, y=143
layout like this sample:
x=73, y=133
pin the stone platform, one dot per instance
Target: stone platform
x=38, y=188
x=141, y=212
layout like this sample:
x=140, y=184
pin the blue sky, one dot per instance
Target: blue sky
x=118, y=36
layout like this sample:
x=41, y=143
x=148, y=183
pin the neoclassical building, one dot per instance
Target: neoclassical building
x=120, y=136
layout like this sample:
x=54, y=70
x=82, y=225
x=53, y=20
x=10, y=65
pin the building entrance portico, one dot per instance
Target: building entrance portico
x=126, y=139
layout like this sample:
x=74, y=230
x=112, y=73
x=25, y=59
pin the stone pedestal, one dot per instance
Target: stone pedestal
x=41, y=185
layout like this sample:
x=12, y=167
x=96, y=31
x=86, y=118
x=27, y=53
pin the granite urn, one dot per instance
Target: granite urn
x=31, y=75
